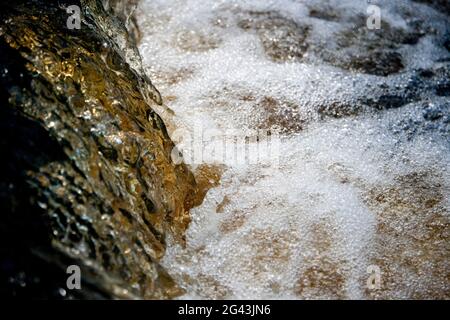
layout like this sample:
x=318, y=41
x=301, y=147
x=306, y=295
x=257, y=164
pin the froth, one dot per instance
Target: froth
x=351, y=134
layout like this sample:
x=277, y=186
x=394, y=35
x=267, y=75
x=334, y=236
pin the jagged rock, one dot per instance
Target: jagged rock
x=86, y=173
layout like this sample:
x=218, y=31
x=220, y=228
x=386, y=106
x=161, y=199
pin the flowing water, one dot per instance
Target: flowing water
x=360, y=178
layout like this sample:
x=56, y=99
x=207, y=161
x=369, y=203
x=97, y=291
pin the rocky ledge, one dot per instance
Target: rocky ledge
x=86, y=173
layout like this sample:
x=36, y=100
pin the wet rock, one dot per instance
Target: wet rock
x=421, y=84
x=339, y=109
x=440, y=5
x=388, y=101
x=281, y=116
x=380, y=63
x=196, y=41
x=124, y=11
x=321, y=276
x=325, y=13
x=443, y=89
x=282, y=38
x=86, y=172
x=433, y=118
x=440, y=82
x=360, y=49
x=360, y=52
x=411, y=242
x=432, y=113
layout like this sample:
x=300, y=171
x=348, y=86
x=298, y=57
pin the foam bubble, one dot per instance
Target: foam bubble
x=309, y=226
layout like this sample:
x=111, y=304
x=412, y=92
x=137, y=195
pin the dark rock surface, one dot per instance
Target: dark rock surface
x=86, y=176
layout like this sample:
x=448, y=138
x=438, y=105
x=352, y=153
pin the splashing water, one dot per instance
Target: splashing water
x=361, y=177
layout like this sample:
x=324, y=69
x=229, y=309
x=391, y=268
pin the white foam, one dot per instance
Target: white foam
x=323, y=170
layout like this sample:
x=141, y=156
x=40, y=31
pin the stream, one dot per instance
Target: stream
x=353, y=125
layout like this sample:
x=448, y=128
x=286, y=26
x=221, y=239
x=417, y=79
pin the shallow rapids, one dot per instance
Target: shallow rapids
x=360, y=180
